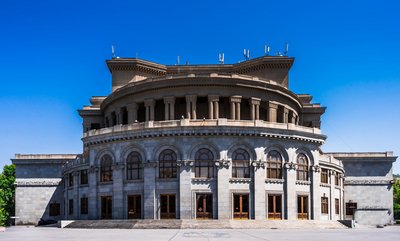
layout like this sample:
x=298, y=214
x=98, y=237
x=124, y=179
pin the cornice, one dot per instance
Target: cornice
x=201, y=131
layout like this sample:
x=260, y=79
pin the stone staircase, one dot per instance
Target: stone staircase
x=205, y=224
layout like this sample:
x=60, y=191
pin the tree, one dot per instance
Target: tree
x=396, y=198
x=7, y=191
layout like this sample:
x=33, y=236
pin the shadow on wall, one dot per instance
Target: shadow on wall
x=360, y=169
x=55, y=209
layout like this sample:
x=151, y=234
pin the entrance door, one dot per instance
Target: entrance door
x=302, y=207
x=106, y=207
x=134, y=207
x=241, y=206
x=203, y=206
x=274, y=206
x=167, y=204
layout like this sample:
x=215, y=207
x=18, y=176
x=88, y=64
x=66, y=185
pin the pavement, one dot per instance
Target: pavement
x=31, y=233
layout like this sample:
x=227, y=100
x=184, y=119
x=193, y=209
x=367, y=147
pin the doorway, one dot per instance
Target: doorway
x=241, y=206
x=203, y=206
x=134, y=207
x=274, y=206
x=106, y=207
x=302, y=207
x=168, y=206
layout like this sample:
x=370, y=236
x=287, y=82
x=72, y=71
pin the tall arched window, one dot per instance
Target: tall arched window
x=105, y=168
x=240, y=164
x=302, y=167
x=167, y=164
x=134, y=166
x=274, y=165
x=204, y=166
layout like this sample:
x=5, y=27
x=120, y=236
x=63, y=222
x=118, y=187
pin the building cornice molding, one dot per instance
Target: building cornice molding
x=19, y=182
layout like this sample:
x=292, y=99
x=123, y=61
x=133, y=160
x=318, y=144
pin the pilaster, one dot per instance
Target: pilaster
x=224, y=208
x=149, y=105
x=118, y=198
x=272, y=112
x=259, y=190
x=149, y=190
x=185, y=168
x=132, y=112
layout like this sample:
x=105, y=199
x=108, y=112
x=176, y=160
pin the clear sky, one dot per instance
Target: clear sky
x=53, y=60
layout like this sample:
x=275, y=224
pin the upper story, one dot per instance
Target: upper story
x=253, y=91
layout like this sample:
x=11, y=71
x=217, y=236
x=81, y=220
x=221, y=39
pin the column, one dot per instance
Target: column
x=185, y=193
x=255, y=108
x=169, y=107
x=132, y=112
x=272, y=112
x=290, y=186
x=118, y=116
x=223, y=194
x=149, y=105
x=149, y=190
x=315, y=193
x=285, y=115
x=235, y=107
x=259, y=191
x=213, y=106
x=118, y=196
x=191, y=106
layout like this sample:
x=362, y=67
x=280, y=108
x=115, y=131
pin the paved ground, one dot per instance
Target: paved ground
x=44, y=234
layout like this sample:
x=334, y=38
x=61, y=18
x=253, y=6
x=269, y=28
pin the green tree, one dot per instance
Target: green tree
x=7, y=191
x=396, y=198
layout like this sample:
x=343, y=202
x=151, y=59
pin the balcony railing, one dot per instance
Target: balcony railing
x=198, y=123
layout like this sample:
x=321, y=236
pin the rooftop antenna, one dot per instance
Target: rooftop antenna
x=221, y=58
x=286, y=49
x=266, y=49
x=178, y=60
x=246, y=54
x=113, y=52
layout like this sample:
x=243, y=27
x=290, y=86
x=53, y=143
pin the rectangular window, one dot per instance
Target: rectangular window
x=71, y=206
x=84, y=205
x=324, y=175
x=337, y=206
x=94, y=126
x=240, y=169
x=350, y=208
x=54, y=209
x=70, y=180
x=337, y=180
x=324, y=205
x=84, y=177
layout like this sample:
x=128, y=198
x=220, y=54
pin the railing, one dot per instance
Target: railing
x=197, y=123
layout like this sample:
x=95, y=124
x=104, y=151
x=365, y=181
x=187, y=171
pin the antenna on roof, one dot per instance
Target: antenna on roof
x=113, y=52
x=266, y=49
x=178, y=60
x=246, y=54
x=221, y=58
x=286, y=49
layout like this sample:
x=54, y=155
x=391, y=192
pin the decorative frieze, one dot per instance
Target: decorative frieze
x=222, y=163
x=290, y=165
x=37, y=182
x=240, y=180
x=150, y=164
x=315, y=168
x=202, y=180
x=258, y=164
x=368, y=182
x=301, y=182
x=185, y=163
x=274, y=181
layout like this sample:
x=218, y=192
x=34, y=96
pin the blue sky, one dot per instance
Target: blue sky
x=53, y=60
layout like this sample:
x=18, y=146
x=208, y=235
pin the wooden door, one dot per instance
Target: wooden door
x=167, y=206
x=106, y=207
x=203, y=206
x=241, y=206
x=274, y=206
x=134, y=207
x=302, y=207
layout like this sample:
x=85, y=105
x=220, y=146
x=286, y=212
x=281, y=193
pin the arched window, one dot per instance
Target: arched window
x=105, y=169
x=240, y=164
x=274, y=165
x=204, y=166
x=302, y=167
x=134, y=166
x=167, y=164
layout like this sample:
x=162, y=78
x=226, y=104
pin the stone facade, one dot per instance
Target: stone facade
x=204, y=142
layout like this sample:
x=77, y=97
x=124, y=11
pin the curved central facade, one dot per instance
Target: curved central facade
x=203, y=142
